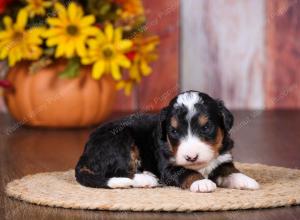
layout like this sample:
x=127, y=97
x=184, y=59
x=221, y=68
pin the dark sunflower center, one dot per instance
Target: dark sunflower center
x=37, y=3
x=18, y=36
x=107, y=52
x=72, y=29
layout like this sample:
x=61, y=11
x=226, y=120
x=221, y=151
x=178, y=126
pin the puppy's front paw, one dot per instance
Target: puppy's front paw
x=204, y=185
x=238, y=181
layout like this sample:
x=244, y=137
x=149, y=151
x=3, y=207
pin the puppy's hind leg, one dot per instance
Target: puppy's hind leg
x=145, y=180
x=120, y=182
x=139, y=180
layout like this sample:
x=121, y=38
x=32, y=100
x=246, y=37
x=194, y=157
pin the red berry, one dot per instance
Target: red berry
x=130, y=55
x=5, y=84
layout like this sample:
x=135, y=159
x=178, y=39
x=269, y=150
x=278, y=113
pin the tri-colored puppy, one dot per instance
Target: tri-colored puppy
x=187, y=145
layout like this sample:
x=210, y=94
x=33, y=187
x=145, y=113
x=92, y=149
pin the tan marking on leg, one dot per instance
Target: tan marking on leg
x=190, y=179
x=85, y=169
x=134, y=160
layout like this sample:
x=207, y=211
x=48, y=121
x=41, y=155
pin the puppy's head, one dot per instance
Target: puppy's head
x=195, y=126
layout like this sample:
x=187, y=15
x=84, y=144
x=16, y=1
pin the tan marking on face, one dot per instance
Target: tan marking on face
x=85, y=169
x=202, y=119
x=174, y=122
x=187, y=182
x=134, y=160
x=172, y=148
x=217, y=143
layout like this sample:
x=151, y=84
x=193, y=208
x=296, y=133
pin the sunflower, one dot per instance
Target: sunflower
x=70, y=30
x=126, y=85
x=130, y=8
x=145, y=52
x=17, y=43
x=37, y=7
x=107, y=53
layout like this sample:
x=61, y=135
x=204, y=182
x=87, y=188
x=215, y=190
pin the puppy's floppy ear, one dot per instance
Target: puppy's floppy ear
x=226, y=115
x=162, y=127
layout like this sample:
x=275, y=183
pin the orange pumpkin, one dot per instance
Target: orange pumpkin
x=45, y=99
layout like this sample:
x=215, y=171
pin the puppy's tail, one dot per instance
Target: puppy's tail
x=87, y=177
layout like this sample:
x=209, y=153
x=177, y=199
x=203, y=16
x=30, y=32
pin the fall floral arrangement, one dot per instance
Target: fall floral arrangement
x=106, y=34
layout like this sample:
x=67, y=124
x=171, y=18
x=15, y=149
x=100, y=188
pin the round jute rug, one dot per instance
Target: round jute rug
x=279, y=187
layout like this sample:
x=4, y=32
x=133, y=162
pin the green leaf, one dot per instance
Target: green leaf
x=105, y=9
x=72, y=68
x=49, y=51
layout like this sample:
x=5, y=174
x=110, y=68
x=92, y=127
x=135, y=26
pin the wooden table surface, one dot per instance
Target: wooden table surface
x=263, y=137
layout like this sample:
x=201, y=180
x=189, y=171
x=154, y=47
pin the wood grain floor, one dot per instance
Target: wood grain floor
x=263, y=137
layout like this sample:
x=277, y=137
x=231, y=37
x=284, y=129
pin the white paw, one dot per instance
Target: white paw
x=119, y=182
x=204, y=185
x=145, y=179
x=238, y=181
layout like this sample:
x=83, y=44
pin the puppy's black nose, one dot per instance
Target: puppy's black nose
x=191, y=159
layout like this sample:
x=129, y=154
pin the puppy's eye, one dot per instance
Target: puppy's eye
x=173, y=131
x=206, y=128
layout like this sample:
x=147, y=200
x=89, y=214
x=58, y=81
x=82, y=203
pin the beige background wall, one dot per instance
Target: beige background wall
x=232, y=49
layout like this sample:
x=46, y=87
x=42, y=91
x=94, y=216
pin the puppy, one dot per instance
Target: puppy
x=187, y=145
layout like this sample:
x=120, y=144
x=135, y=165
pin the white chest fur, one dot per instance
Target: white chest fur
x=224, y=158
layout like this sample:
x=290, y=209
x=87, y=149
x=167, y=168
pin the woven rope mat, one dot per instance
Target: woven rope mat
x=279, y=187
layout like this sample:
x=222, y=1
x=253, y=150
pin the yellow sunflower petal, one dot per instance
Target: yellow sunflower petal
x=33, y=53
x=53, y=32
x=12, y=59
x=72, y=11
x=109, y=32
x=55, y=40
x=87, y=60
x=47, y=4
x=87, y=20
x=93, y=43
x=4, y=35
x=115, y=70
x=134, y=72
x=145, y=68
x=123, y=61
x=80, y=48
x=60, y=50
x=70, y=49
x=3, y=53
x=124, y=45
x=98, y=69
x=21, y=19
x=7, y=22
x=55, y=22
x=90, y=31
x=120, y=85
x=100, y=36
x=118, y=35
x=60, y=10
x=128, y=89
x=35, y=34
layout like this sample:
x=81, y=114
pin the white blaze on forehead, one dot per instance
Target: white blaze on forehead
x=188, y=99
